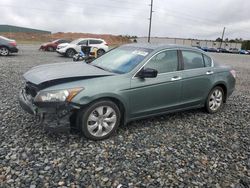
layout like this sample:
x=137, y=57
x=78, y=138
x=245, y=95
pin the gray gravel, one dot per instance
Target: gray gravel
x=186, y=149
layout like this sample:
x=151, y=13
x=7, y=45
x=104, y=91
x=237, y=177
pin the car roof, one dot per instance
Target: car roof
x=90, y=39
x=161, y=46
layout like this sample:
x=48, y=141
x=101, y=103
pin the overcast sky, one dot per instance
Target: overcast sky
x=201, y=19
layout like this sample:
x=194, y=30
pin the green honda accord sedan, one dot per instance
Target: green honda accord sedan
x=129, y=82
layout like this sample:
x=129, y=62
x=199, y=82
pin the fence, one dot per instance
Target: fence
x=190, y=42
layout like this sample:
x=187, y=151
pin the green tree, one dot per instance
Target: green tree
x=218, y=39
x=246, y=45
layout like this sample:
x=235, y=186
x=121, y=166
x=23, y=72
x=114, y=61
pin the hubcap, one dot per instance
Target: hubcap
x=215, y=100
x=4, y=51
x=71, y=53
x=101, y=121
x=100, y=52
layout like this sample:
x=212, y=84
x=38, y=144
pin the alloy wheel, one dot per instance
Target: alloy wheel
x=101, y=121
x=215, y=100
x=4, y=51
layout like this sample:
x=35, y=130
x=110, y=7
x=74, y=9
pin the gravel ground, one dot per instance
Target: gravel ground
x=186, y=149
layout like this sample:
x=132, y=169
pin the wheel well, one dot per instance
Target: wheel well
x=71, y=49
x=224, y=90
x=4, y=46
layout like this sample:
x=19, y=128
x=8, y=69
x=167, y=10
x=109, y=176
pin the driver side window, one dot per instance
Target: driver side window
x=164, y=62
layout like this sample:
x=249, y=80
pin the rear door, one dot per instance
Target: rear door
x=197, y=77
x=95, y=43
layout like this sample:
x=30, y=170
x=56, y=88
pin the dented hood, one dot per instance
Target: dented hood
x=63, y=71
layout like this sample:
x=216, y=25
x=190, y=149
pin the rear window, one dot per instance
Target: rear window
x=4, y=38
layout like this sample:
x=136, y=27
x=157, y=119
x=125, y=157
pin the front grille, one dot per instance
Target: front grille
x=30, y=89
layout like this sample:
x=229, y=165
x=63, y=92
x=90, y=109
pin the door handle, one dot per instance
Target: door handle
x=209, y=72
x=175, y=78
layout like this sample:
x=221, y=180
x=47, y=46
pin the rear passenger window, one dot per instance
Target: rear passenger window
x=95, y=42
x=192, y=60
x=163, y=62
x=208, y=61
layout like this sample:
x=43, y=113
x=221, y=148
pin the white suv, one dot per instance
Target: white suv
x=70, y=49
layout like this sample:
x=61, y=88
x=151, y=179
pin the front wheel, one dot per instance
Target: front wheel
x=100, y=120
x=4, y=51
x=215, y=100
x=70, y=52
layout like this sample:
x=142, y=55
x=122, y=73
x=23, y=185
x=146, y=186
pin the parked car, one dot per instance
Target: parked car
x=7, y=46
x=212, y=50
x=199, y=47
x=243, y=52
x=204, y=49
x=51, y=46
x=233, y=50
x=74, y=47
x=222, y=50
x=130, y=82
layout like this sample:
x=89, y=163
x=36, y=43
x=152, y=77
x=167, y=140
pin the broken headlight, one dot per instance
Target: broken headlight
x=57, y=95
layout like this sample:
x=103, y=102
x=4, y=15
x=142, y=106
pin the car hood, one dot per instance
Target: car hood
x=63, y=72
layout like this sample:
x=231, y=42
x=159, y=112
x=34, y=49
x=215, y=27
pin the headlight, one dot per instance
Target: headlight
x=57, y=95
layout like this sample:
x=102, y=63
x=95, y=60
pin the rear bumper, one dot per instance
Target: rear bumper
x=13, y=49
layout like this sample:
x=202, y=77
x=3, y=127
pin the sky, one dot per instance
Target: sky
x=199, y=19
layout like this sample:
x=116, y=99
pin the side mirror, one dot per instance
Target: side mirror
x=147, y=73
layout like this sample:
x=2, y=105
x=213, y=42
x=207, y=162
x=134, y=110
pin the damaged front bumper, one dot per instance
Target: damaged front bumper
x=54, y=116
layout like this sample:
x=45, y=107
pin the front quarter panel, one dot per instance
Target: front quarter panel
x=103, y=87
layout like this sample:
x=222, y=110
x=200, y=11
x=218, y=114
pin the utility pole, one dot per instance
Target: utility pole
x=150, y=21
x=222, y=36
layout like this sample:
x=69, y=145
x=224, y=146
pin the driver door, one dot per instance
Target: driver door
x=156, y=95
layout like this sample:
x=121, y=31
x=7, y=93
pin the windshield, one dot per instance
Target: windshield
x=54, y=41
x=122, y=60
x=76, y=41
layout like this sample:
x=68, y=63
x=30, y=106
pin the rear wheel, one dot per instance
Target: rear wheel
x=100, y=120
x=70, y=52
x=4, y=51
x=100, y=52
x=215, y=100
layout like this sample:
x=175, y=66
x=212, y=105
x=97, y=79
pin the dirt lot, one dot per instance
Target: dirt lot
x=186, y=149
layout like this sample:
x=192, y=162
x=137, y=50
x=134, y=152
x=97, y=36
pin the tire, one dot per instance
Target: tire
x=100, y=120
x=215, y=100
x=50, y=49
x=70, y=52
x=4, y=51
x=100, y=52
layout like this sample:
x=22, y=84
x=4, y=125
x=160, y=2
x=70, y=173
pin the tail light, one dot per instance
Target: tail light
x=12, y=43
x=106, y=44
x=233, y=72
